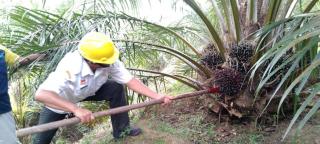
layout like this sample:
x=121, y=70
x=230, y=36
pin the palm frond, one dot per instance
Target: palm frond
x=235, y=14
x=169, y=30
x=272, y=11
x=211, y=29
x=181, y=79
x=178, y=54
x=310, y=6
x=222, y=21
x=313, y=91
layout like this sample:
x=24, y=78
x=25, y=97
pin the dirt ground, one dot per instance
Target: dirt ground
x=189, y=122
x=227, y=130
x=151, y=136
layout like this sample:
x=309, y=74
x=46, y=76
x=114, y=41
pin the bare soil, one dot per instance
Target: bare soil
x=189, y=121
x=233, y=130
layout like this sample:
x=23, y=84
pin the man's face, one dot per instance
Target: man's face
x=101, y=65
x=95, y=66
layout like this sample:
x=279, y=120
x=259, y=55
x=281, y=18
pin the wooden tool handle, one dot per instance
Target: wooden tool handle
x=75, y=120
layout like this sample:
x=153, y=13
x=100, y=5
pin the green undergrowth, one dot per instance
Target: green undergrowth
x=187, y=122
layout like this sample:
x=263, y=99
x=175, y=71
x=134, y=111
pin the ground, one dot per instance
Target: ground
x=188, y=122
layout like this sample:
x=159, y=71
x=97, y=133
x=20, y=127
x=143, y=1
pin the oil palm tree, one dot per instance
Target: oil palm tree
x=257, y=52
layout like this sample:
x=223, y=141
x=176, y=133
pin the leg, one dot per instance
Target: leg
x=47, y=116
x=115, y=94
x=8, y=129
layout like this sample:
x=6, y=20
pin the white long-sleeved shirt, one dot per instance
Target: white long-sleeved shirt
x=74, y=81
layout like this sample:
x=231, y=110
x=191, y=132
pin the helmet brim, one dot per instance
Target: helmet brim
x=112, y=59
x=109, y=60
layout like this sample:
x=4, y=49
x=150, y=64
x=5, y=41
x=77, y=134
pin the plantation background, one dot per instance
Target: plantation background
x=264, y=56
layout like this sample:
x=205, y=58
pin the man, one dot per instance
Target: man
x=91, y=73
x=7, y=123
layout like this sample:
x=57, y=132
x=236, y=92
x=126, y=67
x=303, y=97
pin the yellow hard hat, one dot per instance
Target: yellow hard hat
x=98, y=48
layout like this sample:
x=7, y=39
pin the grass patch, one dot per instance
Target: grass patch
x=159, y=141
x=189, y=127
x=179, y=88
x=251, y=138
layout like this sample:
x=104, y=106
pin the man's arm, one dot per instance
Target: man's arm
x=53, y=100
x=137, y=86
x=13, y=59
x=30, y=58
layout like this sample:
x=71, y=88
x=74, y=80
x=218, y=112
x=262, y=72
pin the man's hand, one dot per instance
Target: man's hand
x=166, y=99
x=84, y=114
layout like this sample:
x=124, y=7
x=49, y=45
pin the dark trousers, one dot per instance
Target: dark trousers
x=110, y=91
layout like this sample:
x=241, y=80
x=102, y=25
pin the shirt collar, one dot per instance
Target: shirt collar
x=86, y=70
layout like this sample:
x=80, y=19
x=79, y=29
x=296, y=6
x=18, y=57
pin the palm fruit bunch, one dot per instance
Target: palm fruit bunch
x=240, y=67
x=211, y=58
x=280, y=73
x=242, y=51
x=228, y=80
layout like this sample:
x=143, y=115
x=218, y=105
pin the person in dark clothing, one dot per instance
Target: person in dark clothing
x=7, y=123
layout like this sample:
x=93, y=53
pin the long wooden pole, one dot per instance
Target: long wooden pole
x=75, y=120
